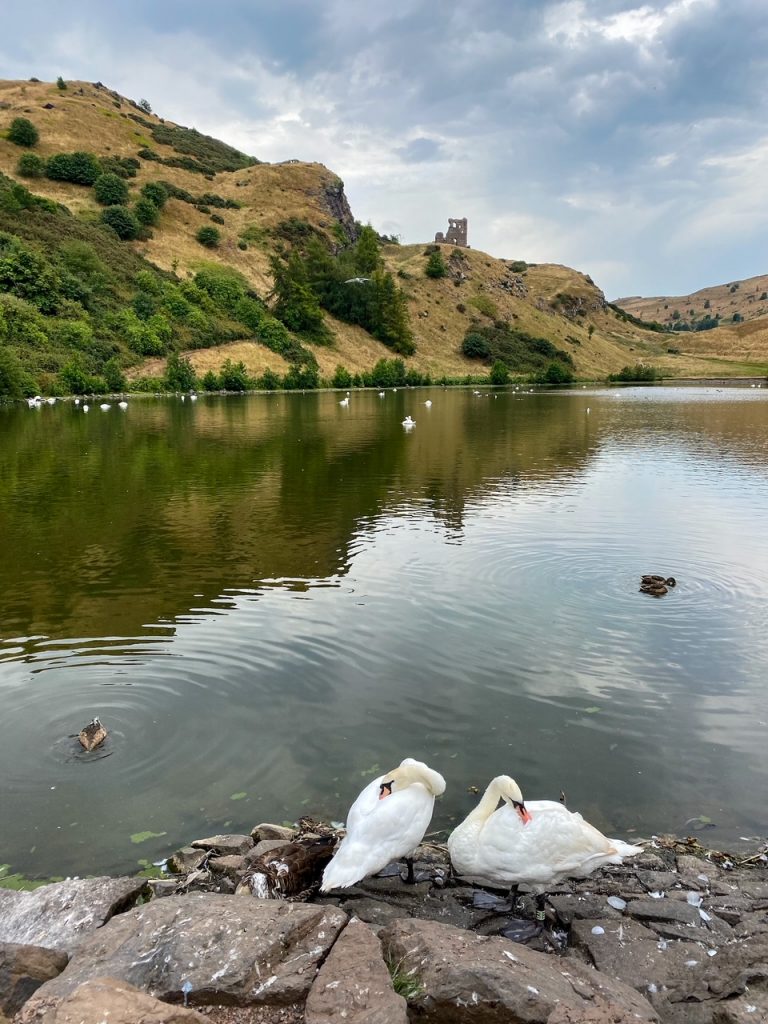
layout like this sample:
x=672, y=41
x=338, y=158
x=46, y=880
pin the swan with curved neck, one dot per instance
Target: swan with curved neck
x=538, y=843
x=386, y=822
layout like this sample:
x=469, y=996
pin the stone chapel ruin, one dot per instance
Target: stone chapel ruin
x=456, y=233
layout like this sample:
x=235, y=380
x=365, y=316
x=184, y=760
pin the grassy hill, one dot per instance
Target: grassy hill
x=134, y=303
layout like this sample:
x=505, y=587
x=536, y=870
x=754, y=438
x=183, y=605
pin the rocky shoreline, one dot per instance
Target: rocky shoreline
x=677, y=935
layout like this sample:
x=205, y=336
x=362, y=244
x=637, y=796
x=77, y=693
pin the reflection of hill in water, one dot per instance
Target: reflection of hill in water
x=111, y=522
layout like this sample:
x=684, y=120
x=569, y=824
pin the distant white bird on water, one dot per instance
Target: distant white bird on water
x=344, y=402
x=122, y=405
x=77, y=401
x=86, y=408
x=428, y=404
x=104, y=406
x=587, y=408
x=193, y=397
x=381, y=394
x=52, y=401
x=386, y=822
x=408, y=423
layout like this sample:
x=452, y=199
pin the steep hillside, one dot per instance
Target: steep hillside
x=156, y=293
x=745, y=300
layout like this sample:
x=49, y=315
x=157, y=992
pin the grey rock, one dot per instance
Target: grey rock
x=63, y=914
x=374, y=912
x=354, y=984
x=186, y=859
x=23, y=969
x=572, y=907
x=231, y=866
x=630, y=952
x=226, y=950
x=665, y=910
x=162, y=886
x=268, y=831
x=465, y=978
x=229, y=845
x=657, y=881
x=107, y=999
x=747, y=1009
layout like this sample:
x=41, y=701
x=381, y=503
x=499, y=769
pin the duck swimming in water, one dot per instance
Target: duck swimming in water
x=92, y=735
x=386, y=822
x=656, y=585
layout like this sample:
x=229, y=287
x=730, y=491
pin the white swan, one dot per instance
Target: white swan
x=381, y=394
x=428, y=404
x=539, y=843
x=122, y=405
x=104, y=406
x=344, y=402
x=387, y=821
x=408, y=423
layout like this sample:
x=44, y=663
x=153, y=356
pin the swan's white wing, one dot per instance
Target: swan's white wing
x=379, y=834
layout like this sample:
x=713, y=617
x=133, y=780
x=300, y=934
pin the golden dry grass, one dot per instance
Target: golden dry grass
x=85, y=117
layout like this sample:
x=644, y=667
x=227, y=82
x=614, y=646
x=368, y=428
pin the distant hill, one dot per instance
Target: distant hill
x=76, y=299
x=733, y=302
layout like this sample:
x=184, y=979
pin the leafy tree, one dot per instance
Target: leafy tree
x=144, y=104
x=210, y=382
x=122, y=222
x=499, y=373
x=764, y=296
x=209, y=237
x=301, y=378
x=61, y=85
x=22, y=132
x=366, y=255
x=295, y=302
x=224, y=285
x=156, y=193
x=557, y=373
x=110, y=190
x=640, y=372
x=114, y=377
x=234, y=376
x=342, y=378
x=11, y=372
x=707, y=304
x=80, y=168
x=269, y=381
x=146, y=212
x=436, y=265
x=30, y=165
x=73, y=378
x=179, y=373
x=738, y=318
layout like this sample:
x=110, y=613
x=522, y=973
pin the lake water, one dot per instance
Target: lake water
x=268, y=599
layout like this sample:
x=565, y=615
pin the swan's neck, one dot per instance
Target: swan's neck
x=487, y=805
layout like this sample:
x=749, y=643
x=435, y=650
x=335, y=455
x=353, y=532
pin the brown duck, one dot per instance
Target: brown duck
x=289, y=873
x=92, y=735
x=656, y=585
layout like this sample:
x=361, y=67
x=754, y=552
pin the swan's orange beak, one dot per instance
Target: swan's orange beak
x=524, y=814
x=385, y=789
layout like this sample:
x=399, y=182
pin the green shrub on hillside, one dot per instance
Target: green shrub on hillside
x=80, y=168
x=146, y=212
x=234, y=377
x=13, y=380
x=557, y=373
x=209, y=236
x=211, y=155
x=475, y=346
x=30, y=165
x=156, y=192
x=122, y=166
x=518, y=351
x=61, y=85
x=122, y=222
x=640, y=373
x=110, y=190
x=436, y=267
x=485, y=305
x=342, y=378
x=22, y=132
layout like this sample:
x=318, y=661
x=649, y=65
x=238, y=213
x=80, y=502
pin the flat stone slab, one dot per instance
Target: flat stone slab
x=227, y=845
x=63, y=914
x=354, y=984
x=107, y=999
x=461, y=977
x=211, y=948
x=266, y=830
x=23, y=969
x=665, y=910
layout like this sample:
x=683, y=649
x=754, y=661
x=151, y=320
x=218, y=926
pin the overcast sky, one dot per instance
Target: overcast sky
x=627, y=140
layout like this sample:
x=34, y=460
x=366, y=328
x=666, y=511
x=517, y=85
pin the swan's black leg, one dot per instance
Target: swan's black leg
x=410, y=878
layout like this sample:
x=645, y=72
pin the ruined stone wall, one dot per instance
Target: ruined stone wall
x=456, y=233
